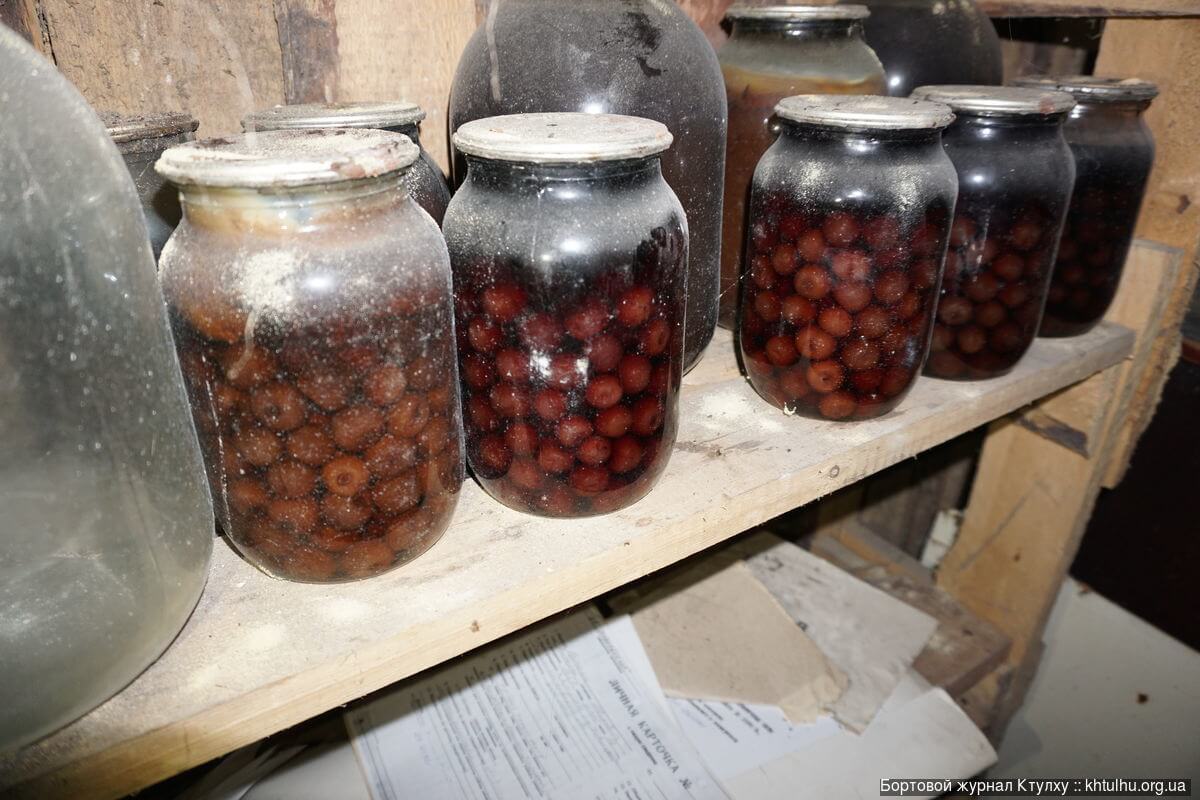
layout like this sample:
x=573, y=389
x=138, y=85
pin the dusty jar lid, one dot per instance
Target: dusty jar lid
x=334, y=115
x=997, y=100
x=1093, y=89
x=562, y=138
x=282, y=159
x=797, y=13
x=133, y=127
x=865, y=112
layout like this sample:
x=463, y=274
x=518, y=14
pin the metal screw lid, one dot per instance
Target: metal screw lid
x=864, y=112
x=334, y=115
x=797, y=13
x=1094, y=89
x=283, y=159
x=133, y=127
x=562, y=138
x=997, y=100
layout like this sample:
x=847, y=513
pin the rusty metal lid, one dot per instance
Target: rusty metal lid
x=997, y=100
x=798, y=13
x=562, y=138
x=284, y=159
x=133, y=127
x=1095, y=89
x=334, y=115
x=865, y=112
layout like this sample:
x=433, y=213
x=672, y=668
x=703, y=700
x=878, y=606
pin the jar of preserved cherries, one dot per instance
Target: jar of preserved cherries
x=424, y=178
x=775, y=52
x=141, y=140
x=1015, y=175
x=570, y=268
x=1114, y=152
x=311, y=304
x=849, y=215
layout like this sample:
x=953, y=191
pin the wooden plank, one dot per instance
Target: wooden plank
x=1154, y=9
x=1076, y=418
x=216, y=60
x=260, y=655
x=309, y=46
x=23, y=17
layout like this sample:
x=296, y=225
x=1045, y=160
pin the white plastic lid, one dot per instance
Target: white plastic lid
x=865, y=112
x=798, y=13
x=562, y=138
x=334, y=115
x=998, y=100
x=1094, y=89
x=287, y=158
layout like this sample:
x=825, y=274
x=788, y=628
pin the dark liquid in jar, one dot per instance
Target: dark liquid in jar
x=993, y=290
x=332, y=454
x=837, y=306
x=571, y=402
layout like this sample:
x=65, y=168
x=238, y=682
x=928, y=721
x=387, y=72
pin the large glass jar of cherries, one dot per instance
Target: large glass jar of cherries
x=570, y=268
x=1114, y=151
x=311, y=303
x=775, y=52
x=1015, y=175
x=849, y=215
x=424, y=179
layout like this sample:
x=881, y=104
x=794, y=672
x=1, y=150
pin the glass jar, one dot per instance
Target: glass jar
x=141, y=140
x=644, y=58
x=775, y=52
x=849, y=216
x=569, y=253
x=424, y=179
x=107, y=525
x=923, y=42
x=1015, y=175
x=1114, y=152
x=311, y=304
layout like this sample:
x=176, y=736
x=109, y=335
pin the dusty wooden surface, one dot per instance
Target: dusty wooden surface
x=260, y=655
x=1155, y=9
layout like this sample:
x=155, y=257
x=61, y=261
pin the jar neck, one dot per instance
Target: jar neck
x=412, y=131
x=493, y=172
x=291, y=209
x=1020, y=126
x=863, y=141
x=1115, y=111
x=797, y=30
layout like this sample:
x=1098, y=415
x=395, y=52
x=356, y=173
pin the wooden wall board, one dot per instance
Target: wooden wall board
x=23, y=17
x=215, y=59
x=1153, y=9
x=260, y=655
x=309, y=47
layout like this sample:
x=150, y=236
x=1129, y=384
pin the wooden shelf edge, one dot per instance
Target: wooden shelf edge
x=260, y=655
x=1164, y=9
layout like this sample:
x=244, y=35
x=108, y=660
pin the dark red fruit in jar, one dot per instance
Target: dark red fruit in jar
x=626, y=455
x=278, y=406
x=311, y=445
x=345, y=475
x=853, y=296
x=550, y=404
x=553, y=458
x=614, y=422
x=811, y=246
x=840, y=228
x=594, y=450
x=604, y=391
x=503, y=303
x=522, y=438
x=390, y=456
x=258, y=446
x=812, y=282
x=512, y=365
x=587, y=320
x=356, y=427
x=396, y=495
x=781, y=351
x=634, y=306
x=825, y=376
x=290, y=479
x=604, y=353
x=835, y=321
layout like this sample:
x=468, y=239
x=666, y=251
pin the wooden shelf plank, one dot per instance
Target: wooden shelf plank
x=1098, y=8
x=260, y=655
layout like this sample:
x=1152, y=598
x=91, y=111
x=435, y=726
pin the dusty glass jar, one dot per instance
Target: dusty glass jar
x=569, y=253
x=1015, y=174
x=923, y=42
x=849, y=216
x=424, y=178
x=644, y=58
x=1114, y=152
x=775, y=52
x=141, y=140
x=314, y=321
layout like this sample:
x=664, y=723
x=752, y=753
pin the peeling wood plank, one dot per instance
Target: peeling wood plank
x=308, y=41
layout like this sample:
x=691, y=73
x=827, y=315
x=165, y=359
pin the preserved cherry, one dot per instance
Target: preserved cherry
x=838, y=299
x=775, y=52
x=1114, y=152
x=572, y=274
x=1015, y=175
x=329, y=423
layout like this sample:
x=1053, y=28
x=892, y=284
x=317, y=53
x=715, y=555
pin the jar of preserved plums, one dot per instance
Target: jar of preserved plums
x=922, y=42
x=849, y=216
x=644, y=58
x=570, y=269
x=424, y=179
x=1015, y=175
x=775, y=52
x=310, y=299
x=141, y=140
x=1114, y=152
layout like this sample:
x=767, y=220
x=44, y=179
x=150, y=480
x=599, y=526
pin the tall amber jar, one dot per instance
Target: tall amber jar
x=775, y=52
x=310, y=299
